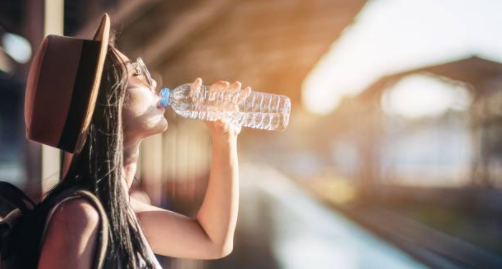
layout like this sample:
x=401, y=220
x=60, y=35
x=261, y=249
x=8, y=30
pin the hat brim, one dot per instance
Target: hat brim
x=102, y=35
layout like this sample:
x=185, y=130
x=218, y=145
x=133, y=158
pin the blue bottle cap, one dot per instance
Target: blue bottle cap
x=164, y=94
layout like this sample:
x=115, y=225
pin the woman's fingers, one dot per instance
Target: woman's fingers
x=223, y=128
x=234, y=89
x=195, y=87
x=244, y=94
x=236, y=86
x=220, y=85
x=225, y=95
x=217, y=90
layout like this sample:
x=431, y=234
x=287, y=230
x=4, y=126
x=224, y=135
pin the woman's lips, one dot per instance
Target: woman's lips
x=160, y=107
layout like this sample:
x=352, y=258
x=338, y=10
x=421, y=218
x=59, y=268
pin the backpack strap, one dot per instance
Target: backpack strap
x=6, y=226
x=103, y=238
x=15, y=197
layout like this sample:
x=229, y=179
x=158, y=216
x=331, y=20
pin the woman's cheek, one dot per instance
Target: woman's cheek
x=138, y=103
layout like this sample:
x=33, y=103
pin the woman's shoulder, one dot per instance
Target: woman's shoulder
x=75, y=196
x=77, y=210
x=71, y=232
x=73, y=211
x=72, y=216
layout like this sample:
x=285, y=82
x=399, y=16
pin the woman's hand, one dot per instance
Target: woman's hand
x=221, y=129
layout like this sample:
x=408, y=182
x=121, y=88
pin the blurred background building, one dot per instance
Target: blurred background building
x=393, y=155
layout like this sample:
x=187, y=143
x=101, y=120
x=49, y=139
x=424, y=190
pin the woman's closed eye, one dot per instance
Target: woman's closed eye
x=138, y=73
x=141, y=77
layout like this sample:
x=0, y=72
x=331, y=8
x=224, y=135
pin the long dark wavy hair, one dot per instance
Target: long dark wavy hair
x=98, y=166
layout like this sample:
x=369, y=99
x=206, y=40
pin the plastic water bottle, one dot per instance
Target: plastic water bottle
x=258, y=110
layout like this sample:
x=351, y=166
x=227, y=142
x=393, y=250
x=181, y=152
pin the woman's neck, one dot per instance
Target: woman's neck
x=131, y=156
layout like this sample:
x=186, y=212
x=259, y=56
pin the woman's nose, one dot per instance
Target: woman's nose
x=154, y=85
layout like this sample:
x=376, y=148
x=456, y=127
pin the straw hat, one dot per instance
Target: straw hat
x=62, y=88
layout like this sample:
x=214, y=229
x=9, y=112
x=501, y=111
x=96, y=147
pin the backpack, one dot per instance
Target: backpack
x=21, y=229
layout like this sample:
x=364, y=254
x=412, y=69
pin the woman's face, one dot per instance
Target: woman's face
x=142, y=114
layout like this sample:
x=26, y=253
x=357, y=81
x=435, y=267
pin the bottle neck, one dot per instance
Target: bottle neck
x=164, y=95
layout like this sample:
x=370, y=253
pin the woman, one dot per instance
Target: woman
x=104, y=161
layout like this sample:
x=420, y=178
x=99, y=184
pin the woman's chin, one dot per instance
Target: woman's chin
x=158, y=126
x=162, y=126
x=165, y=126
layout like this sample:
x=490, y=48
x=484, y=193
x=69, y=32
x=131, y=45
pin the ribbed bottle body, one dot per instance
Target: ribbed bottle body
x=259, y=110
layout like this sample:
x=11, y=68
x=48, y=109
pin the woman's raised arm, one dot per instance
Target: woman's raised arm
x=210, y=235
